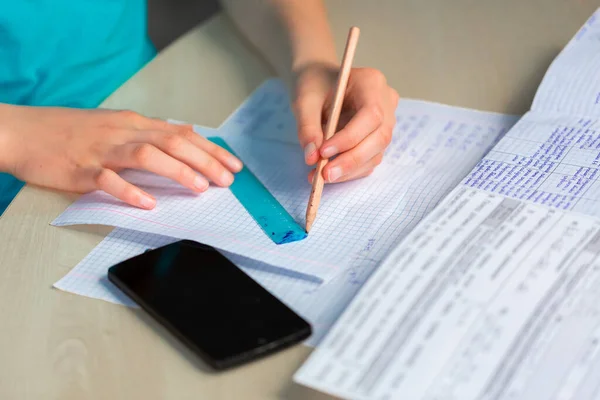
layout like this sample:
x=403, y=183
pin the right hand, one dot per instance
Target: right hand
x=365, y=126
x=83, y=150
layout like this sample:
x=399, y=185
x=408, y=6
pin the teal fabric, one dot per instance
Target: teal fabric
x=70, y=53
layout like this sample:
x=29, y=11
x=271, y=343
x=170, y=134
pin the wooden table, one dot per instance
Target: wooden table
x=53, y=345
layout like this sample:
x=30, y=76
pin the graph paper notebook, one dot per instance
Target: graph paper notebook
x=433, y=147
x=495, y=294
x=428, y=138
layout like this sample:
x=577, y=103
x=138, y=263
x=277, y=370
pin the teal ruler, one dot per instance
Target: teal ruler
x=274, y=220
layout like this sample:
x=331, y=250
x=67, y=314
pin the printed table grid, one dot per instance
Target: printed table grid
x=552, y=160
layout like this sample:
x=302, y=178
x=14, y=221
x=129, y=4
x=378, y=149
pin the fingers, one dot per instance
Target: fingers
x=187, y=131
x=184, y=151
x=364, y=171
x=110, y=182
x=144, y=124
x=368, y=133
x=308, y=110
x=220, y=154
x=366, y=120
x=353, y=160
x=147, y=157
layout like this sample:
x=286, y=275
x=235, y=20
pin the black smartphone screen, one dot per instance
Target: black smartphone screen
x=209, y=303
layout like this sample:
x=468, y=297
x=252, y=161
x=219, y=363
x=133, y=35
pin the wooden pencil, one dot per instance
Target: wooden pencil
x=332, y=123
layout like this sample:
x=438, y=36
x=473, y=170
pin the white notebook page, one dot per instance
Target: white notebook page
x=444, y=142
x=433, y=147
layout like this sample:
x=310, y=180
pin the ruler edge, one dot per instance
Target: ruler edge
x=219, y=141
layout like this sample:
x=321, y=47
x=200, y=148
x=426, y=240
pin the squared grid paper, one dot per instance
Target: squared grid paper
x=430, y=139
x=89, y=277
x=433, y=147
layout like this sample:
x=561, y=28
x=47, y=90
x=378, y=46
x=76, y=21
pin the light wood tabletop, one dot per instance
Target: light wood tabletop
x=54, y=345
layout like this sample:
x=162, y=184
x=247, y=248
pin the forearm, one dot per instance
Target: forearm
x=289, y=33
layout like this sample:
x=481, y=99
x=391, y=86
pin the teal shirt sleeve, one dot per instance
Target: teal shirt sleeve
x=70, y=53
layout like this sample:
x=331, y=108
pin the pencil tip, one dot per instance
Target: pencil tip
x=308, y=226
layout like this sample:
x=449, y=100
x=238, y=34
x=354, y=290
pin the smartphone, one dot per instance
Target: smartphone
x=208, y=303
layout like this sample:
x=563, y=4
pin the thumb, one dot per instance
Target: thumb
x=308, y=110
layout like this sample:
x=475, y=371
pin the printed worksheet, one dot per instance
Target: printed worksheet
x=488, y=298
x=434, y=147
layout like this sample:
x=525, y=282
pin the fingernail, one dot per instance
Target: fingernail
x=235, y=164
x=200, y=183
x=309, y=150
x=334, y=174
x=226, y=178
x=311, y=176
x=329, y=151
x=146, y=202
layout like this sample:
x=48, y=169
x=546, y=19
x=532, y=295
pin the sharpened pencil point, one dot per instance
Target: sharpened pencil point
x=308, y=226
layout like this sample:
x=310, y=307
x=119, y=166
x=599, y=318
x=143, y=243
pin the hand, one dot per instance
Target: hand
x=83, y=150
x=365, y=125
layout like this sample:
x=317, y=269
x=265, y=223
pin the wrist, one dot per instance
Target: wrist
x=308, y=31
x=318, y=49
x=6, y=135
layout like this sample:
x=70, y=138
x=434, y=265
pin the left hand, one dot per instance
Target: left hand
x=365, y=125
